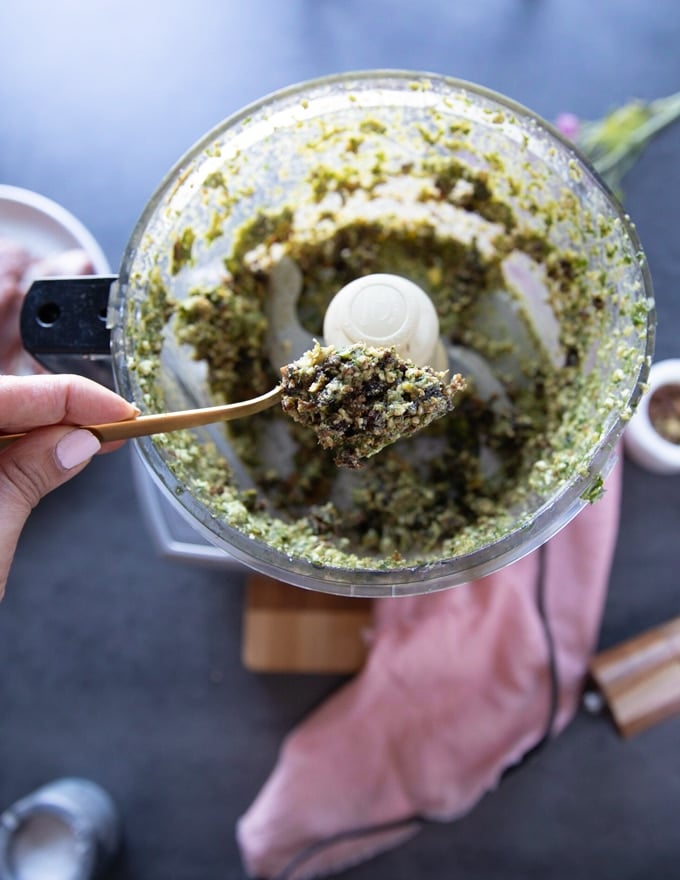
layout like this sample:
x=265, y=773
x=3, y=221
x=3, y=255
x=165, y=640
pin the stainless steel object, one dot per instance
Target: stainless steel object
x=68, y=828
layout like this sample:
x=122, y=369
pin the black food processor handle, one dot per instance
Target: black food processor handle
x=64, y=325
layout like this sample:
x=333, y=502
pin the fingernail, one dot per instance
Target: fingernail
x=75, y=448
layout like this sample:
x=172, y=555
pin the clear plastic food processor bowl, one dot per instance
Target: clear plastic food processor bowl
x=411, y=156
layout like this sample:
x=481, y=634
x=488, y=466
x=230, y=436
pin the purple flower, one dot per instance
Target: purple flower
x=569, y=125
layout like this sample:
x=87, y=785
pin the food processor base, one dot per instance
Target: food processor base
x=285, y=629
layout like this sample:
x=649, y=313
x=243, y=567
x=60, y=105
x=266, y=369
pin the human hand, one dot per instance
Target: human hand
x=48, y=456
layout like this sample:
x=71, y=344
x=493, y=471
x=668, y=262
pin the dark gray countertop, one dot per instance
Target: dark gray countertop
x=124, y=667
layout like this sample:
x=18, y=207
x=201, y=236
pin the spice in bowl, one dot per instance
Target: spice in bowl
x=652, y=437
x=664, y=412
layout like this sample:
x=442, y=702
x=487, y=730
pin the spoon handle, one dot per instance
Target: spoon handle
x=161, y=423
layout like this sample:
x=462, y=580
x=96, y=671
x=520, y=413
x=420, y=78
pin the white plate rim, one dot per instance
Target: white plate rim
x=42, y=205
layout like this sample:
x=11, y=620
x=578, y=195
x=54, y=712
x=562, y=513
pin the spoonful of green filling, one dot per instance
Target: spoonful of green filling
x=357, y=399
x=360, y=399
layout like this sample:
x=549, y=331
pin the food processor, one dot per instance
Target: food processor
x=528, y=263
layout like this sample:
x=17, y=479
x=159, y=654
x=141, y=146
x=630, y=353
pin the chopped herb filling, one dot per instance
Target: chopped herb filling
x=528, y=269
x=360, y=399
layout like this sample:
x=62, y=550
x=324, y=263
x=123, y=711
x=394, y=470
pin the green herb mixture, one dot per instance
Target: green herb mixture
x=464, y=231
x=360, y=399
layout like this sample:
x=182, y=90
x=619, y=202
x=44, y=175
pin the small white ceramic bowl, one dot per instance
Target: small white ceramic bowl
x=642, y=441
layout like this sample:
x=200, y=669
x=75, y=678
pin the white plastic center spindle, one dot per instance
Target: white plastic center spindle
x=385, y=311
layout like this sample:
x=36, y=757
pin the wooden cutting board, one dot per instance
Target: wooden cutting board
x=288, y=629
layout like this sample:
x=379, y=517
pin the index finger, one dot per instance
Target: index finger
x=28, y=402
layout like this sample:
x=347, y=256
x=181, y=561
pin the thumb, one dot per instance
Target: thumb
x=29, y=469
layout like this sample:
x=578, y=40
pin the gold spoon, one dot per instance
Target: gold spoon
x=160, y=423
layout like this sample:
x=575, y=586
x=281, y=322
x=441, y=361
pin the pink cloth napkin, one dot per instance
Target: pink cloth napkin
x=458, y=686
